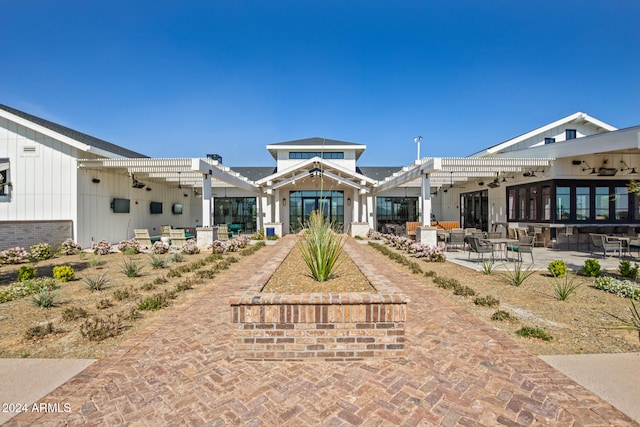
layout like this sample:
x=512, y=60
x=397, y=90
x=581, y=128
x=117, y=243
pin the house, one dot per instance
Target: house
x=57, y=183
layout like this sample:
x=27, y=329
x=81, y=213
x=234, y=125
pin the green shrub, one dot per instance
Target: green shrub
x=488, y=301
x=148, y=287
x=177, y=257
x=104, y=303
x=159, y=280
x=627, y=271
x=501, y=316
x=73, y=313
x=564, y=287
x=531, y=332
x=26, y=272
x=63, y=273
x=40, y=251
x=488, y=266
x=174, y=273
x=96, y=283
x=557, y=268
x=621, y=288
x=464, y=291
x=591, y=268
x=155, y=302
x=94, y=260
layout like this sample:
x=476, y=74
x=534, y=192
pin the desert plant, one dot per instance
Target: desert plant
x=73, y=313
x=488, y=266
x=40, y=251
x=488, y=301
x=148, y=287
x=45, y=299
x=28, y=287
x=104, y=303
x=184, y=286
x=633, y=323
x=98, y=328
x=190, y=247
x=557, y=268
x=155, y=302
x=174, y=273
x=564, y=287
x=101, y=248
x=517, y=275
x=626, y=271
x=94, y=261
x=464, y=291
x=160, y=248
x=206, y=274
x=591, y=268
x=531, y=332
x=159, y=280
x=177, y=257
x=621, y=288
x=157, y=262
x=63, y=273
x=15, y=255
x=40, y=331
x=96, y=283
x=69, y=247
x=26, y=272
x=131, y=268
x=129, y=247
x=501, y=316
x=321, y=247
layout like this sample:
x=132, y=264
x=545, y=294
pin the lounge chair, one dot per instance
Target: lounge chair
x=177, y=237
x=456, y=239
x=142, y=237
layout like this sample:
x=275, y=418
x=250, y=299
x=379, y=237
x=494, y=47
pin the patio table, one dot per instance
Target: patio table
x=500, y=244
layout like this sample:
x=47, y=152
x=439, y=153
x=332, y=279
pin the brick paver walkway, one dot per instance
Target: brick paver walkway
x=457, y=371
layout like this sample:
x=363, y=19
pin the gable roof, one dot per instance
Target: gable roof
x=575, y=117
x=75, y=135
x=317, y=143
x=378, y=172
x=254, y=173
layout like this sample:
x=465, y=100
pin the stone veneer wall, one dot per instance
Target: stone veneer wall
x=341, y=326
x=27, y=233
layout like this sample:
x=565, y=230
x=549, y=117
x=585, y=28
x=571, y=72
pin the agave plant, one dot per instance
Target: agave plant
x=321, y=247
x=633, y=322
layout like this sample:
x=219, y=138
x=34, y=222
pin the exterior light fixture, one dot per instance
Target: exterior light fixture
x=348, y=201
x=417, y=140
x=284, y=201
x=95, y=181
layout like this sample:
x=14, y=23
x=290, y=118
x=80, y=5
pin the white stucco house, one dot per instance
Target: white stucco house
x=56, y=182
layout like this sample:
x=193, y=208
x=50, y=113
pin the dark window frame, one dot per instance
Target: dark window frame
x=570, y=134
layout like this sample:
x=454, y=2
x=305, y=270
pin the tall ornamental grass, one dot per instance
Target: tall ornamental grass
x=321, y=247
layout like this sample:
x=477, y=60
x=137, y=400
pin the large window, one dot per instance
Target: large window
x=583, y=205
x=311, y=154
x=587, y=201
x=236, y=210
x=475, y=210
x=396, y=210
x=302, y=203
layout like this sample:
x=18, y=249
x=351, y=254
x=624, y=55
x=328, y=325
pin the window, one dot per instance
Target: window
x=563, y=203
x=236, y=210
x=602, y=203
x=549, y=140
x=522, y=203
x=533, y=203
x=396, y=210
x=4, y=177
x=570, y=134
x=295, y=155
x=512, y=203
x=583, y=207
x=546, y=203
x=621, y=201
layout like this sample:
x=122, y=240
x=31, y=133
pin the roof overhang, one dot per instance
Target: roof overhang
x=449, y=170
x=358, y=148
x=182, y=172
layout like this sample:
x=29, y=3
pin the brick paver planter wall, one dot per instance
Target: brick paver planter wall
x=344, y=326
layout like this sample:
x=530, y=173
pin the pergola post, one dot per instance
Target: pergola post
x=425, y=187
x=207, y=200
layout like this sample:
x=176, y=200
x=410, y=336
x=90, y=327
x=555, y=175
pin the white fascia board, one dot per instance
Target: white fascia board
x=59, y=137
x=545, y=128
x=625, y=139
x=325, y=163
x=217, y=172
x=318, y=147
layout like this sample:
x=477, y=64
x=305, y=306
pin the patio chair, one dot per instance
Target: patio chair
x=494, y=235
x=411, y=229
x=142, y=237
x=601, y=243
x=165, y=231
x=538, y=233
x=568, y=233
x=524, y=245
x=223, y=232
x=479, y=247
x=456, y=239
x=177, y=237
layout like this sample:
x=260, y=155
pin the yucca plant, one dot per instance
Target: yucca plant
x=564, y=287
x=518, y=275
x=633, y=323
x=131, y=268
x=321, y=247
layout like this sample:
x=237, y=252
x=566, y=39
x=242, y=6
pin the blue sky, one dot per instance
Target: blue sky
x=186, y=78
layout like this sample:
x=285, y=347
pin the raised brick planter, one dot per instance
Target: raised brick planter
x=343, y=326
